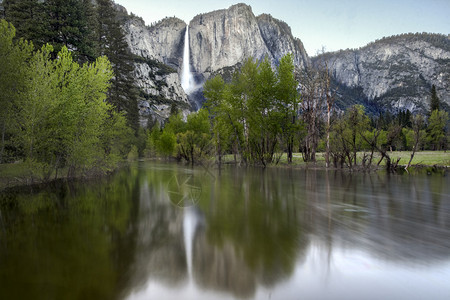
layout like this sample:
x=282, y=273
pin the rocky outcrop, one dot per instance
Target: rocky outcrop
x=225, y=38
x=395, y=73
x=160, y=89
x=162, y=41
x=279, y=41
x=158, y=57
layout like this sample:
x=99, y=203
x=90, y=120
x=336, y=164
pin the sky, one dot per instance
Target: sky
x=328, y=24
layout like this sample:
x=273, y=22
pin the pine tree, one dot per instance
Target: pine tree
x=434, y=103
x=28, y=18
x=70, y=24
x=111, y=42
x=90, y=46
x=2, y=11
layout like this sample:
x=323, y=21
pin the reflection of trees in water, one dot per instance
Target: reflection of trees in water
x=246, y=234
x=222, y=268
x=61, y=241
x=252, y=230
x=159, y=243
x=255, y=225
x=397, y=218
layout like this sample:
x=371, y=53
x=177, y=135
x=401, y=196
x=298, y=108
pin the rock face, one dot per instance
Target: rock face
x=395, y=73
x=279, y=40
x=158, y=57
x=392, y=74
x=160, y=89
x=162, y=41
x=220, y=40
x=226, y=38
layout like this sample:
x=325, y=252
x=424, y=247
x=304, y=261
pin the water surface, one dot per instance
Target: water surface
x=165, y=231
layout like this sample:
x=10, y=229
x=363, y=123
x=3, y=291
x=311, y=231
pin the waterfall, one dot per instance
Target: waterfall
x=187, y=82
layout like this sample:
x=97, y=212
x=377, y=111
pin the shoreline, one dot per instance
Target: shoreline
x=14, y=175
x=19, y=177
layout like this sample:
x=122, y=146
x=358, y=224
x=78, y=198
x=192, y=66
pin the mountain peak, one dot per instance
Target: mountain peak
x=281, y=24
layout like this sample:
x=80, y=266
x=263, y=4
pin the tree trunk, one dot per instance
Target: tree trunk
x=290, y=149
x=413, y=153
x=238, y=141
x=3, y=143
x=327, y=151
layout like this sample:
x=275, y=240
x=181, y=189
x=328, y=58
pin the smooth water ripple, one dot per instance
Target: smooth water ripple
x=166, y=231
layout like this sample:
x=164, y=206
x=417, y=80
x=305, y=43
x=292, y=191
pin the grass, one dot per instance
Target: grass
x=426, y=158
x=422, y=158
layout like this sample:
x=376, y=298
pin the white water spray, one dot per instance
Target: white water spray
x=187, y=81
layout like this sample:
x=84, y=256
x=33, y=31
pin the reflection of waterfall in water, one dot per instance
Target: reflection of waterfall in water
x=190, y=222
x=187, y=81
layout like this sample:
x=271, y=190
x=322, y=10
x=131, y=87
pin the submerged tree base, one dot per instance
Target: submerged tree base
x=423, y=159
x=19, y=174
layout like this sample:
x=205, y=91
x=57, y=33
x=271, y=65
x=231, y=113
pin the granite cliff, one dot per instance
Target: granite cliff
x=219, y=41
x=158, y=56
x=395, y=73
x=391, y=74
x=224, y=39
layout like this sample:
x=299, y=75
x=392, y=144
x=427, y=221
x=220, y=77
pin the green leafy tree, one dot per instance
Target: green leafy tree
x=436, y=136
x=54, y=111
x=194, y=143
x=289, y=100
x=227, y=112
x=242, y=89
x=346, y=135
x=14, y=73
x=216, y=91
x=256, y=115
x=153, y=136
x=116, y=139
x=175, y=124
x=166, y=143
x=63, y=114
x=262, y=116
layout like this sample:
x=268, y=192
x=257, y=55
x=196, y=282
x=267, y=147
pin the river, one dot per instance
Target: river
x=167, y=231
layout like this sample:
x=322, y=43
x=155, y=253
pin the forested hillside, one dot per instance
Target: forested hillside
x=68, y=97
